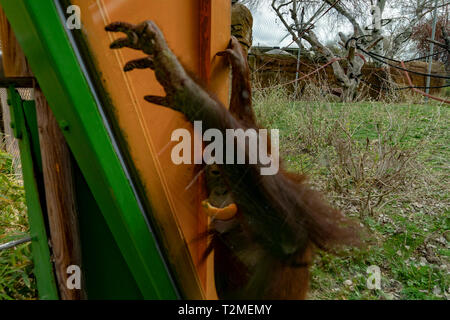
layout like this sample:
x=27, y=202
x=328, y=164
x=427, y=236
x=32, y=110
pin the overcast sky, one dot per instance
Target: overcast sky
x=269, y=31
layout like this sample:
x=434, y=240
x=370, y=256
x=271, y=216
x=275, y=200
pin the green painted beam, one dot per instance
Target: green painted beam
x=43, y=268
x=43, y=39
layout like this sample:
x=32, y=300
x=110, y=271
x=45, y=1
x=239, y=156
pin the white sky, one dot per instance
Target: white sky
x=269, y=31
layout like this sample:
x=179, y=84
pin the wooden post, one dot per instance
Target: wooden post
x=57, y=171
x=60, y=196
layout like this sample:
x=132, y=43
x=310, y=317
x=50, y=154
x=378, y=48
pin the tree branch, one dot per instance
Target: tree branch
x=346, y=14
x=283, y=20
x=337, y=69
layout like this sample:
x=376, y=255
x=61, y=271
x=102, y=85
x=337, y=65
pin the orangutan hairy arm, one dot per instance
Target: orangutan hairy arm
x=182, y=92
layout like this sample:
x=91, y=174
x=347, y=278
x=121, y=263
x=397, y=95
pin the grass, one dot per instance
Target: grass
x=386, y=165
x=16, y=267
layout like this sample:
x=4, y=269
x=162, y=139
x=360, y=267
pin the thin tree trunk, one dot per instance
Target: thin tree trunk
x=377, y=13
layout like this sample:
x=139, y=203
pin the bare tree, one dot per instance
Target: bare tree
x=412, y=12
x=369, y=23
x=291, y=14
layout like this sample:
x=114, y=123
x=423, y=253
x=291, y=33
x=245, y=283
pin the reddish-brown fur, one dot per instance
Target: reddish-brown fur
x=265, y=252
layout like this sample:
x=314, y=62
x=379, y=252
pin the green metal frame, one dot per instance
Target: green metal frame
x=23, y=120
x=41, y=34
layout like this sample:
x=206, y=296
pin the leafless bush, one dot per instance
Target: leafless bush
x=366, y=175
x=362, y=171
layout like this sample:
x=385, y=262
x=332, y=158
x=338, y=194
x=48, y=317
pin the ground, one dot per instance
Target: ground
x=385, y=165
x=16, y=267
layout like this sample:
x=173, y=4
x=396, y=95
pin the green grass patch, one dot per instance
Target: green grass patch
x=386, y=165
x=16, y=267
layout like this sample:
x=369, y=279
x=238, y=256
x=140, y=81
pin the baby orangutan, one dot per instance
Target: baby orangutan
x=264, y=250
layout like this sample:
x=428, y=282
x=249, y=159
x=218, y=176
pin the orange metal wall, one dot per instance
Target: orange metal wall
x=148, y=128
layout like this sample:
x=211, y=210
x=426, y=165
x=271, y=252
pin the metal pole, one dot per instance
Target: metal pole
x=433, y=34
x=299, y=54
x=297, y=73
x=14, y=243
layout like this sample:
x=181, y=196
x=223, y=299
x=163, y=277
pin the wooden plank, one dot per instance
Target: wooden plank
x=14, y=62
x=60, y=196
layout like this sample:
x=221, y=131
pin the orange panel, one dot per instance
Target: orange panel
x=147, y=128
